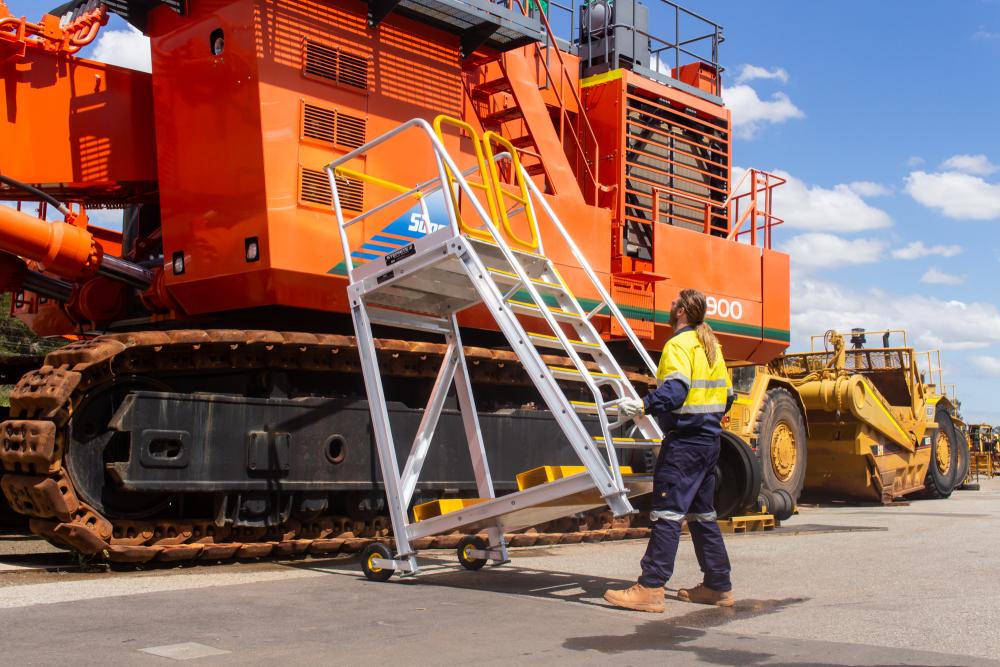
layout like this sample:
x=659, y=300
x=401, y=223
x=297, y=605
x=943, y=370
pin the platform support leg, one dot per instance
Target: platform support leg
x=474, y=437
x=383, y=432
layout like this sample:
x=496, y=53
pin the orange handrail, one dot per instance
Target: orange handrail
x=759, y=212
x=49, y=33
x=592, y=165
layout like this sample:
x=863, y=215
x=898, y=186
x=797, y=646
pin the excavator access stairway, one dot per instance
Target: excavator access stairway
x=472, y=255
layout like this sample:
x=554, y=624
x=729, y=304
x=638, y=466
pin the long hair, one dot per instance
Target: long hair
x=693, y=303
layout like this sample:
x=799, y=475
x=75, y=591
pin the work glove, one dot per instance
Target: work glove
x=631, y=407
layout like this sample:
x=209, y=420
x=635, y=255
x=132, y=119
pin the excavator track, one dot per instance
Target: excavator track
x=34, y=443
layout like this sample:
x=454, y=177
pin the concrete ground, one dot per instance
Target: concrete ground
x=913, y=585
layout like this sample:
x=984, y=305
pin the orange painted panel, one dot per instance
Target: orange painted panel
x=77, y=126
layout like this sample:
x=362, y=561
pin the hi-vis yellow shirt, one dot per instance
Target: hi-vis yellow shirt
x=691, y=396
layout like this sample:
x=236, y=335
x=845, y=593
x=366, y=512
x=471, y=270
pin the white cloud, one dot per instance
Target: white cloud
x=868, y=189
x=956, y=195
x=985, y=34
x=824, y=251
x=979, y=164
x=935, y=276
x=917, y=249
x=108, y=218
x=819, y=305
x=751, y=113
x=125, y=48
x=751, y=72
x=819, y=209
x=987, y=365
x=915, y=161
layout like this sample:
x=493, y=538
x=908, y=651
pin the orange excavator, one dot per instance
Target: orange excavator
x=211, y=403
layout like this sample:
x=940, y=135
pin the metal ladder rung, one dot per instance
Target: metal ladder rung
x=508, y=277
x=548, y=340
x=628, y=443
x=590, y=408
x=573, y=374
x=516, y=251
x=530, y=308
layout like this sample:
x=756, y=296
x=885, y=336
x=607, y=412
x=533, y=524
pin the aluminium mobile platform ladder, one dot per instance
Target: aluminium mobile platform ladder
x=456, y=265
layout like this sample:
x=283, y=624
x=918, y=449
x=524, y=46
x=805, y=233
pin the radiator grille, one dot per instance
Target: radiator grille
x=676, y=170
x=332, y=127
x=336, y=65
x=314, y=188
x=635, y=299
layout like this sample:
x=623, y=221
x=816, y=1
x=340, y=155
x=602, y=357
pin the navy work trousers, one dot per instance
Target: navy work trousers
x=684, y=486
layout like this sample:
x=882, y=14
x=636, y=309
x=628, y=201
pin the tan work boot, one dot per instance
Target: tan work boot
x=638, y=598
x=702, y=594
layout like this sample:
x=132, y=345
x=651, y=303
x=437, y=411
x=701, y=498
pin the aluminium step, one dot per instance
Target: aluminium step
x=551, y=342
x=510, y=278
x=533, y=264
x=529, y=507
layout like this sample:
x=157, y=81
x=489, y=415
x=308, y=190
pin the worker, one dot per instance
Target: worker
x=693, y=393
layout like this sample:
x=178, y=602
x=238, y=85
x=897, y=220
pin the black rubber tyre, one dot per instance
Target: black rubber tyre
x=962, y=468
x=779, y=503
x=940, y=478
x=371, y=552
x=780, y=440
x=467, y=543
x=737, y=477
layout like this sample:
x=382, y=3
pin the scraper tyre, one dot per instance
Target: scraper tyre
x=780, y=434
x=962, y=467
x=371, y=552
x=940, y=478
x=467, y=544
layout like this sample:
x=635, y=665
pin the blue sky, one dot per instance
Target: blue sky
x=883, y=114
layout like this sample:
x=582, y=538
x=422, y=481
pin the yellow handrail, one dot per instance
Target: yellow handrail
x=490, y=138
x=375, y=180
x=485, y=186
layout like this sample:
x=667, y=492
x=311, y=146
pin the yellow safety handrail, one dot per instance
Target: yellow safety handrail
x=485, y=186
x=490, y=138
x=375, y=180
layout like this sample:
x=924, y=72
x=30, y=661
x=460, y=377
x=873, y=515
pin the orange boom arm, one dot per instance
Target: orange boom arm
x=66, y=250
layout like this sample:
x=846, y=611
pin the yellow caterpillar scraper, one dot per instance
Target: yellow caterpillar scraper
x=874, y=428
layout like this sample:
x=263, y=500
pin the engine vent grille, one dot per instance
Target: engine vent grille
x=314, y=189
x=351, y=130
x=676, y=171
x=332, y=127
x=333, y=64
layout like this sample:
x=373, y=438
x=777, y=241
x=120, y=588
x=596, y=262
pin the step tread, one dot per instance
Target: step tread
x=554, y=311
x=573, y=341
x=534, y=281
x=575, y=371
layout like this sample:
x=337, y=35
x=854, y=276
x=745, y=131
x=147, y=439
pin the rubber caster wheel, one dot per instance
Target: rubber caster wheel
x=368, y=556
x=466, y=546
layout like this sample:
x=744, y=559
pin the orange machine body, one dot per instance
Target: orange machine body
x=242, y=136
